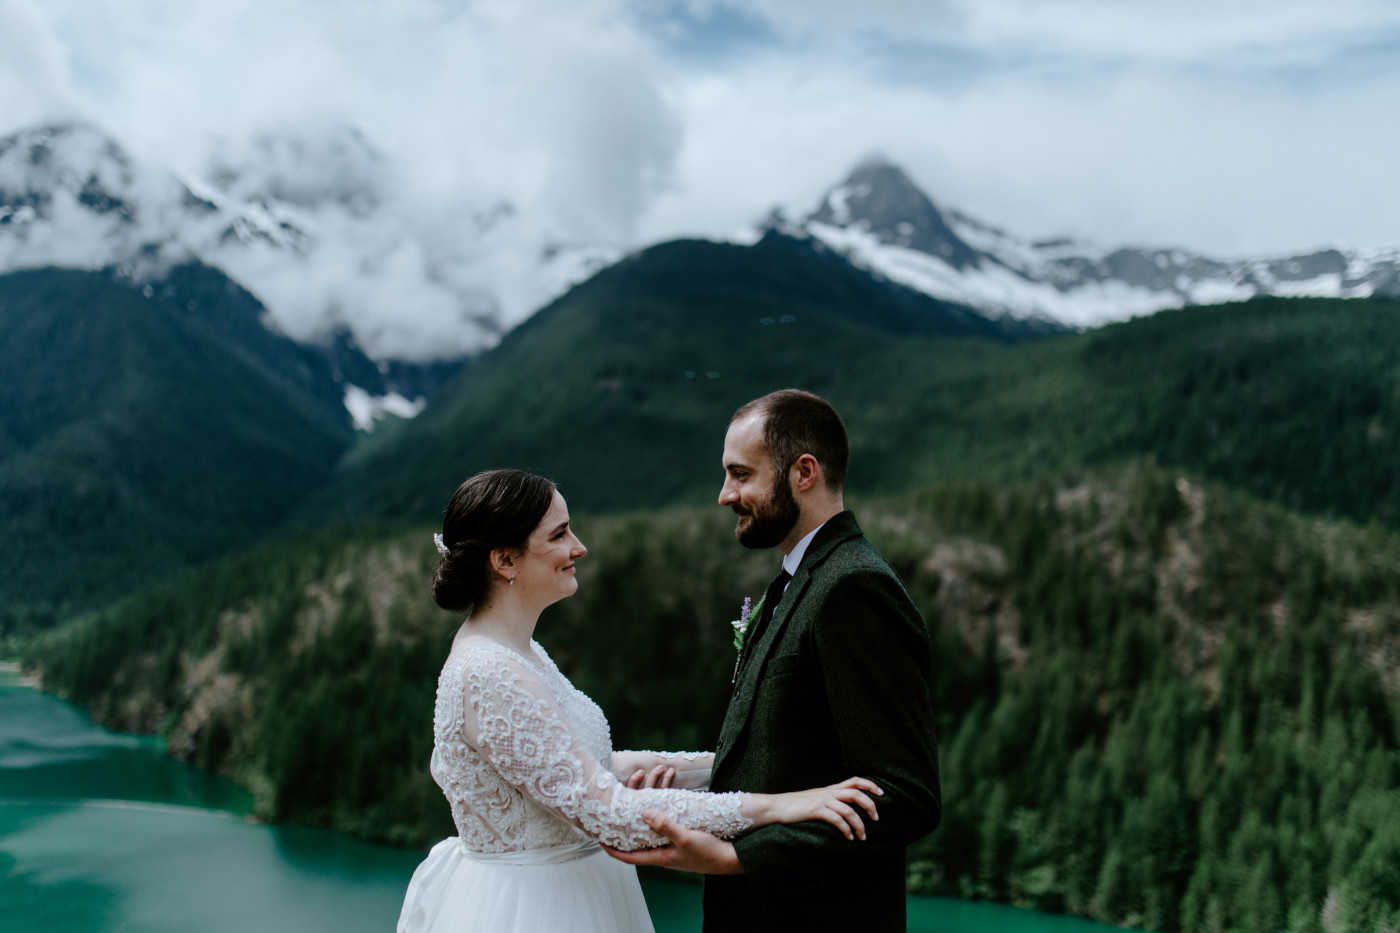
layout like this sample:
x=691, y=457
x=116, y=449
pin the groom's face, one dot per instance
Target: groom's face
x=758, y=494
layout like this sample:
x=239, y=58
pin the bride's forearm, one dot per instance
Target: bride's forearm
x=760, y=808
x=846, y=806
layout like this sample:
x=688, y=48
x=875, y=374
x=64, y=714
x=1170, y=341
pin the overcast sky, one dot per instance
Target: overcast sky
x=1233, y=128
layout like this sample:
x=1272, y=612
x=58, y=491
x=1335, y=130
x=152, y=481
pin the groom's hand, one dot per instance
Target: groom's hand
x=689, y=849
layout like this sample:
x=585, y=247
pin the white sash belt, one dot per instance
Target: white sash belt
x=547, y=856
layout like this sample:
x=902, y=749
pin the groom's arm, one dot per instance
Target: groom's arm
x=875, y=659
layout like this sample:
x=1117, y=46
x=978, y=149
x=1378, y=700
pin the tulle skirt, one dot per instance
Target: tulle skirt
x=573, y=888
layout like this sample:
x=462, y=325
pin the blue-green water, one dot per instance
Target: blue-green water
x=101, y=833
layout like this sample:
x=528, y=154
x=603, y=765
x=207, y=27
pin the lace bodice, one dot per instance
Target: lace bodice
x=524, y=760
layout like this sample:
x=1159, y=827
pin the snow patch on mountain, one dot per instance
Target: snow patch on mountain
x=366, y=410
x=880, y=221
x=992, y=288
x=314, y=224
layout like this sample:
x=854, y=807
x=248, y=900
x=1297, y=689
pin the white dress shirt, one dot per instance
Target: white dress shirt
x=794, y=557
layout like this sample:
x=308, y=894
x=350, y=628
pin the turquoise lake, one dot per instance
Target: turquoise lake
x=102, y=833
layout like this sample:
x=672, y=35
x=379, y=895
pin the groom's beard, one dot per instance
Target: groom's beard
x=772, y=520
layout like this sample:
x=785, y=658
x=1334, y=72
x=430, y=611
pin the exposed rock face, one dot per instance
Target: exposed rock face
x=879, y=197
x=880, y=220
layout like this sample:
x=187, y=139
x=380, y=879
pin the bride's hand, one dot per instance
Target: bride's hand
x=835, y=804
x=660, y=776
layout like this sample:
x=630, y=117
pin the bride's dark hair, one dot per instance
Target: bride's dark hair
x=495, y=509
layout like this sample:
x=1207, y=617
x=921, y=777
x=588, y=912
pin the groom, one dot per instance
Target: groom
x=832, y=682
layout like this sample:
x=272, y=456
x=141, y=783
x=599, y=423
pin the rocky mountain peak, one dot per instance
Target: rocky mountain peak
x=878, y=219
x=72, y=196
x=879, y=198
x=42, y=167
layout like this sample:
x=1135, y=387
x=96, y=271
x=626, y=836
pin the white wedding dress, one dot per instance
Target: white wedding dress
x=524, y=759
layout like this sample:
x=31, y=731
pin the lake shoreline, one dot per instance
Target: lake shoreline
x=13, y=673
x=674, y=900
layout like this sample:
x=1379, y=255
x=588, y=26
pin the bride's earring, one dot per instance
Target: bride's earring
x=512, y=582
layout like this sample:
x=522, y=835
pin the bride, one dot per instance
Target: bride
x=526, y=760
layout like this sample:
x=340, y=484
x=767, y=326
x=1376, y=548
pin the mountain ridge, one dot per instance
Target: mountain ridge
x=880, y=220
x=72, y=196
x=307, y=221
x=644, y=349
x=620, y=389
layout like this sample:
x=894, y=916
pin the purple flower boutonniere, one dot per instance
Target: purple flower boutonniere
x=741, y=624
x=741, y=630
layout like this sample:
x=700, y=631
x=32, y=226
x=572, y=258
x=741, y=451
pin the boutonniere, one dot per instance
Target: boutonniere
x=741, y=624
x=741, y=630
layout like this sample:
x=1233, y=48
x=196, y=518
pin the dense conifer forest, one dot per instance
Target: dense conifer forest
x=1159, y=561
x=1162, y=703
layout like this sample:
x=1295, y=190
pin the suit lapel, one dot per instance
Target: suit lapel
x=736, y=719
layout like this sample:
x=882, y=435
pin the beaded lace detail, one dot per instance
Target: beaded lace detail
x=523, y=758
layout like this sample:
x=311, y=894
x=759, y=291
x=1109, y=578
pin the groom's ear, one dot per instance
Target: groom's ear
x=806, y=474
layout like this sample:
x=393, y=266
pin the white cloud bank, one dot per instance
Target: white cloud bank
x=1233, y=129
x=506, y=128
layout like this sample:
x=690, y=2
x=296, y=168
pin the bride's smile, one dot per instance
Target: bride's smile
x=546, y=569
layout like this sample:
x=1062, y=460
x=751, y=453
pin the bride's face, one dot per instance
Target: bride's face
x=547, y=565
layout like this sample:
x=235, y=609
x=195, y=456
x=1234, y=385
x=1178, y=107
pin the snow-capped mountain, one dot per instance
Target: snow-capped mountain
x=72, y=197
x=881, y=221
x=311, y=223
x=316, y=224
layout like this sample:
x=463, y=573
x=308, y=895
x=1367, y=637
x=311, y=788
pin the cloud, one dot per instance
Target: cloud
x=498, y=130
x=34, y=80
x=1250, y=129
x=492, y=133
x=478, y=103
x=1147, y=159
x=1248, y=34
x=1080, y=34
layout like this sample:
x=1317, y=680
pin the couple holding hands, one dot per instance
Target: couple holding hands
x=826, y=767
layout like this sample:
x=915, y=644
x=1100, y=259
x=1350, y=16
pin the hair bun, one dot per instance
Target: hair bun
x=460, y=579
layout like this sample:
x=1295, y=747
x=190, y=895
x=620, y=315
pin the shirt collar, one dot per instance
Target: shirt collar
x=791, y=560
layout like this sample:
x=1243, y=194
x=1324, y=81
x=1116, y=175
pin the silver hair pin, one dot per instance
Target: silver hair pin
x=442, y=547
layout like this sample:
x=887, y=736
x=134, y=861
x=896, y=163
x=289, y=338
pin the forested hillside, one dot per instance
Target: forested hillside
x=138, y=437
x=621, y=390
x=143, y=434
x=1161, y=703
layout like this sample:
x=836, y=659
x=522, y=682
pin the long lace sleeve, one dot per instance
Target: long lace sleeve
x=692, y=768
x=515, y=721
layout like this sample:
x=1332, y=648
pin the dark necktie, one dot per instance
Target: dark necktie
x=771, y=598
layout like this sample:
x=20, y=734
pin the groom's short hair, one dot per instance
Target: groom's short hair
x=796, y=423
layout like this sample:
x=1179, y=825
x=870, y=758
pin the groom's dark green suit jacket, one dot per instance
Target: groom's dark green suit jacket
x=835, y=685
